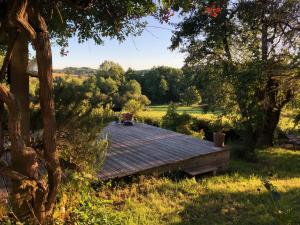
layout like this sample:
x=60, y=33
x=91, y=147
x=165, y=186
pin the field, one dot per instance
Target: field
x=286, y=122
x=235, y=197
x=195, y=109
x=157, y=112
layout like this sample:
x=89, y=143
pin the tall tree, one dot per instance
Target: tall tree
x=256, y=46
x=41, y=21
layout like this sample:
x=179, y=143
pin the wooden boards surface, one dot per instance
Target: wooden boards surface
x=142, y=148
x=5, y=183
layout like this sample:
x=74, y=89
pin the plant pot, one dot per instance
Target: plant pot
x=219, y=139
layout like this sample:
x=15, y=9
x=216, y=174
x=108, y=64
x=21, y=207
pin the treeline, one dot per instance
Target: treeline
x=165, y=84
x=161, y=85
x=80, y=71
x=107, y=88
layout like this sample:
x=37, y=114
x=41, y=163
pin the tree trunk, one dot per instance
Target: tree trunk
x=39, y=201
x=44, y=62
x=19, y=82
x=1, y=127
x=23, y=159
x=266, y=133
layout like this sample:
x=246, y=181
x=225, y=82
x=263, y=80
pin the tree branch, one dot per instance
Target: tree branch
x=14, y=126
x=17, y=17
x=9, y=172
x=15, y=175
x=79, y=4
x=8, y=56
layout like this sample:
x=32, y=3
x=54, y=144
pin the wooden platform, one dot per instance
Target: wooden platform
x=5, y=183
x=144, y=149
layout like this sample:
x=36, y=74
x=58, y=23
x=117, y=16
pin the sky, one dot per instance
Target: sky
x=142, y=52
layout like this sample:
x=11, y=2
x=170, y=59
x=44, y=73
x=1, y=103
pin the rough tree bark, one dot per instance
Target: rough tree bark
x=271, y=112
x=1, y=127
x=44, y=61
x=19, y=82
x=24, y=159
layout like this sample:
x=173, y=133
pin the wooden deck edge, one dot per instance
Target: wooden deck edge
x=214, y=161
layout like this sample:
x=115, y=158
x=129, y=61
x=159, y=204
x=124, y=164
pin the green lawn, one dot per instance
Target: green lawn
x=229, y=198
x=157, y=112
x=286, y=122
x=188, y=109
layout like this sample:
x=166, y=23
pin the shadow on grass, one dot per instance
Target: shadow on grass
x=241, y=208
x=278, y=163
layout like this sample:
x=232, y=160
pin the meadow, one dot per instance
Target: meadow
x=238, y=196
x=264, y=192
x=156, y=112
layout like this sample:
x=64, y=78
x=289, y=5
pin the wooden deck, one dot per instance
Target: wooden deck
x=5, y=183
x=143, y=149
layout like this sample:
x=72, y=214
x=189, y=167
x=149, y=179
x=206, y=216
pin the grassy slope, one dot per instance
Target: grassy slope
x=230, y=198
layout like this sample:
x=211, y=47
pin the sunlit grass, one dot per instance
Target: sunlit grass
x=286, y=123
x=229, y=198
x=194, y=109
x=157, y=112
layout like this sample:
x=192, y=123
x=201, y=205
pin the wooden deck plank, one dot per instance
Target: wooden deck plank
x=142, y=147
x=168, y=148
x=5, y=183
x=170, y=143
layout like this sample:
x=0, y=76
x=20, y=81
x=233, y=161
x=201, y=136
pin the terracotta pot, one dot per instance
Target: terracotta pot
x=219, y=139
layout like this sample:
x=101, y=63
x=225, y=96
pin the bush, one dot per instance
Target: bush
x=181, y=123
x=171, y=119
x=133, y=106
x=80, y=204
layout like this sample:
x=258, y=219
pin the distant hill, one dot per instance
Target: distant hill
x=85, y=71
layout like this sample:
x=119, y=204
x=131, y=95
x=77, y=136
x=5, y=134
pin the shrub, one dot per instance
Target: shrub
x=190, y=96
x=80, y=204
x=181, y=123
x=133, y=106
x=170, y=120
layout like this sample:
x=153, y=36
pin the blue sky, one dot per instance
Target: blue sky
x=142, y=52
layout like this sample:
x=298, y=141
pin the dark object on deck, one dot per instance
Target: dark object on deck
x=127, y=123
x=127, y=119
x=145, y=149
x=294, y=140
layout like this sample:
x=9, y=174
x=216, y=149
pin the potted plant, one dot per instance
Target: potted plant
x=127, y=119
x=219, y=126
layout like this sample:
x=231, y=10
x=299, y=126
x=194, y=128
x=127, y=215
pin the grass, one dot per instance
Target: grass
x=286, y=123
x=236, y=197
x=157, y=112
x=195, y=109
x=229, y=198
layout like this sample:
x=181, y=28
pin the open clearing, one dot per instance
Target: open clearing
x=236, y=197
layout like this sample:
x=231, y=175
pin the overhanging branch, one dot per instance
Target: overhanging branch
x=18, y=17
x=15, y=175
x=8, y=56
